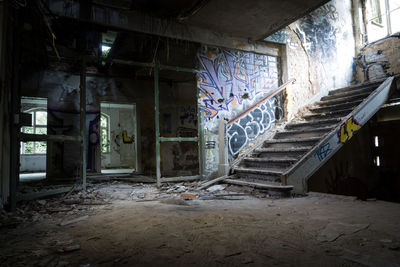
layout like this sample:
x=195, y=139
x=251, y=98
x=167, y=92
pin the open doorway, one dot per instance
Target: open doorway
x=118, y=130
x=33, y=153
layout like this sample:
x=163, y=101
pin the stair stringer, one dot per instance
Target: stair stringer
x=302, y=170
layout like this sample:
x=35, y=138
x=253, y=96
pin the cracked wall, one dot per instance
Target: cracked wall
x=320, y=52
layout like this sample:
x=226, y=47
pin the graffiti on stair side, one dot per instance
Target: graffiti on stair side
x=347, y=130
x=323, y=151
x=232, y=79
x=254, y=124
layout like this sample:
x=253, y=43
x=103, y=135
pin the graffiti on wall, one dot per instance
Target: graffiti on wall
x=320, y=31
x=347, y=130
x=254, y=124
x=127, y=139
x=230, y=78
x=188, y=115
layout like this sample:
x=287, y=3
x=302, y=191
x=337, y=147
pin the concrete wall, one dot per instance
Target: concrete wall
x=320, y=52
x=379, y=59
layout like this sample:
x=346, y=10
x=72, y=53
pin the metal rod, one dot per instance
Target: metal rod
x=152, y=65
x=275, y=92
x=133, y=63
x=46, y=137
x=181, y=69
x=181, y=178
x=83, y=122
x=200, y=135
x=157, y=123
x=179, y=139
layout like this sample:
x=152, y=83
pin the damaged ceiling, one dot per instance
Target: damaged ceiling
x=255, y=19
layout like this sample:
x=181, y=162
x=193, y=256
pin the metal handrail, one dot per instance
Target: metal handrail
x=275, y=92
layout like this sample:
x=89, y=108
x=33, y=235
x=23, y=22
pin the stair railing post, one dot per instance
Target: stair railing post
x=223, y=167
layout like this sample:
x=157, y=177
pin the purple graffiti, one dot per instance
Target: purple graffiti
x=233, y=75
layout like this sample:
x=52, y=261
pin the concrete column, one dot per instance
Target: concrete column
x=223, y=167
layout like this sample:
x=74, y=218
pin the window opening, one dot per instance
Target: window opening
x=39, y=126
x=105, y=133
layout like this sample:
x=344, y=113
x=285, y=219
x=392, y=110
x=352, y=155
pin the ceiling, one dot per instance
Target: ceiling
x=253, y=19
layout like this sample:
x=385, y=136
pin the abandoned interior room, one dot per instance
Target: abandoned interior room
x=199, y=133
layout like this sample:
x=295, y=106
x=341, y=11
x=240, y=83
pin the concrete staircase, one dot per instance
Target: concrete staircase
x=267, y=166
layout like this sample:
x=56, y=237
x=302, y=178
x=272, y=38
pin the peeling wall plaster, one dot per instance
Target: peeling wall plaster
x=320, y=52
x=379, y=59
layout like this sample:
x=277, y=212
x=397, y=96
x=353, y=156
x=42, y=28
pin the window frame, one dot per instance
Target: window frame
x=107, y=130
x=384, y=15
x=34, y=127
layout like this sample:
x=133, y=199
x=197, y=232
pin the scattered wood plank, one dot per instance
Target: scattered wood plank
x=188, y=195
x=209, y=183
x=43, y=194
x=259, y=185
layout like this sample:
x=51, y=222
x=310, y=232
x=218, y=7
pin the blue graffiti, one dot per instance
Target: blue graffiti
x=323, y=151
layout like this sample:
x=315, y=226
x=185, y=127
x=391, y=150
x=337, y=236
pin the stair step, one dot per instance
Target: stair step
x=305, y=133
x=275, y=189
x=267, y=160
x=346, y=94
x=355, y=87
x=270, y=174
x=275, y=171
x=282, y=163
x=332, y=107
x=305, y=124
x=292, y=152
x=334, y=114
x=343, y=99
x=290, y=142
x=284, y=150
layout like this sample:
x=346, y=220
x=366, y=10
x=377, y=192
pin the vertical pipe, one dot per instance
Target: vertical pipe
x=200, y=136
x=14, y=108
x=83, y=122
x=157, y=122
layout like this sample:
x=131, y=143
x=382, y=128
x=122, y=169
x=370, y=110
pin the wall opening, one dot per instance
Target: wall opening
x=118, y=130
x=33, y=153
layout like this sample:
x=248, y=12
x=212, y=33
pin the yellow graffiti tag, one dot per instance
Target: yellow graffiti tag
x=348, y=129
x=126, y=138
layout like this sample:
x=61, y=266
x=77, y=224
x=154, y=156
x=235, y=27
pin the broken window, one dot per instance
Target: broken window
x=39, y=126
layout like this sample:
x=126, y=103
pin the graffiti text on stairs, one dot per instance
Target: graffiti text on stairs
x=347, y=129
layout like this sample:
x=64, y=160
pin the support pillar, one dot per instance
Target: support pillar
x=223, y=167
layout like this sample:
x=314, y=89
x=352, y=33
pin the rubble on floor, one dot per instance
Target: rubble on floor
x=65, y=203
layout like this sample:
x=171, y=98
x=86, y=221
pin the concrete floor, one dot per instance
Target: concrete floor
x=130, y=228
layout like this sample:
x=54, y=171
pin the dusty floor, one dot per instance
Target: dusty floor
x=127, y=225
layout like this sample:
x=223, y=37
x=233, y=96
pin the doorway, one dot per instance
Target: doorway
x=32, y=158
x=118, y=142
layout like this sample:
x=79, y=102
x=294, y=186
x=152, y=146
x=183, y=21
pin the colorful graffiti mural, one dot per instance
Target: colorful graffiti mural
x=254, y=124
x=230, y=78
x=347, y=130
